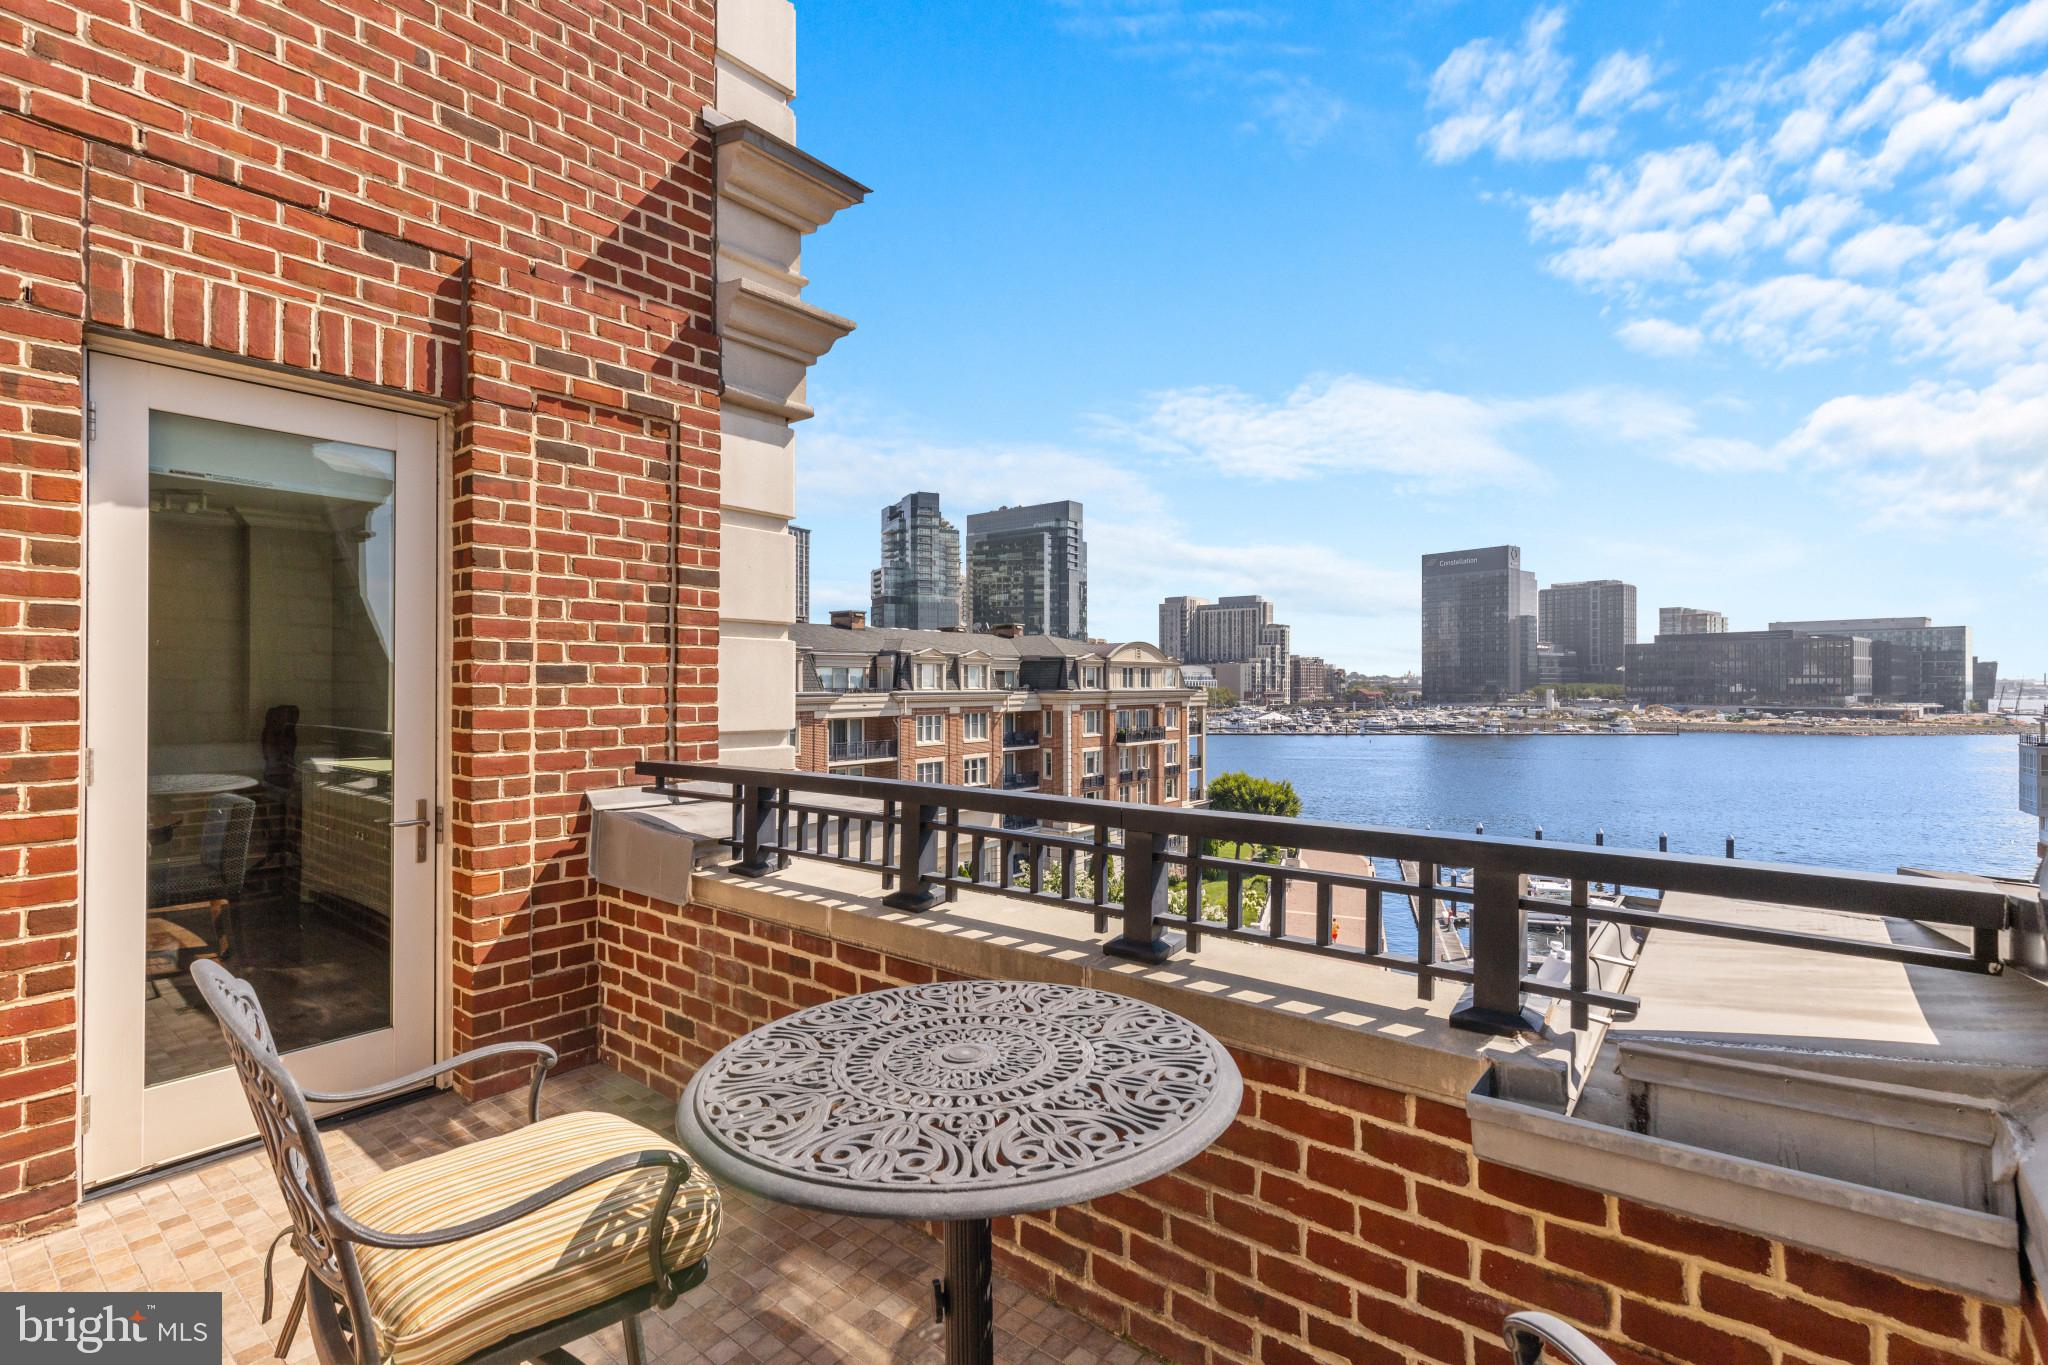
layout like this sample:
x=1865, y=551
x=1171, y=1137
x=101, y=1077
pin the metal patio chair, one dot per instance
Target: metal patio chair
x=505, y=1249
x=214, y=878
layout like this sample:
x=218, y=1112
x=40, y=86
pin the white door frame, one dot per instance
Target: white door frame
x=130, y=1127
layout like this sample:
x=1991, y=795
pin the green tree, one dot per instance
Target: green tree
x=1250, y=795
x=1222, y=696
x=1243, y=793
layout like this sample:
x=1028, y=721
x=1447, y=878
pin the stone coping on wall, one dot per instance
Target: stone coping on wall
x=1362, y=1021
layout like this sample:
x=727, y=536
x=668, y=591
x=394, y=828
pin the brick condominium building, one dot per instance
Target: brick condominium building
x=395, y=411
x=1025, y=712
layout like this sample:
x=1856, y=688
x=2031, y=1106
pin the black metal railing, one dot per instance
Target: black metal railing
x=1019, y=781
x=855, y=750
x=1092, y=782
x=1139, y=862
x=1139, y=734
x=1020, y=739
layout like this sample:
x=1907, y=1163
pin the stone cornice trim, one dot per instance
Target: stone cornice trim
x=775, y=177
x=778, y=323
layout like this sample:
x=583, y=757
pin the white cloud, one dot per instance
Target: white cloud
x=1869, y=198
x=1427, y=438
x=1659, y=337
x=1881, y=250
x=2004, y=154
x=1620, y=81
x=866, y=462
x=1157, y=558
x=1514, y=99
x=1298, y=111
x=1654, y=219
x=1798, y=319
x=1939, y=452
x=2017, y=32
x=1238, y=51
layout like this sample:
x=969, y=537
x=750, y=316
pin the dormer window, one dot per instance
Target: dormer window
x=974, y=677
x=931, y=677
x=842, y=678
x=1091, y=677
x=1006, y=678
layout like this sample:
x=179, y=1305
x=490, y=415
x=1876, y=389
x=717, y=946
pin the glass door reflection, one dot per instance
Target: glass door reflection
x=270, y=714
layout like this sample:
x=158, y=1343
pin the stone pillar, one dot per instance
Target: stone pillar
x=769, y=196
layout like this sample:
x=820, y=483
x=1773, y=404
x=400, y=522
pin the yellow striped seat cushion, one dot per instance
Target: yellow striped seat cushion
x=441, y=1304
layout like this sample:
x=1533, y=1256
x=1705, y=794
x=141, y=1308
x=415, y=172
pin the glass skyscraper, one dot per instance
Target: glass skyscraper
x=1028, y=566
x=1478, y=624
x=918, y=585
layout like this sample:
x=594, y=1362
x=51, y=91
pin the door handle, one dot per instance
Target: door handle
x=421, y=822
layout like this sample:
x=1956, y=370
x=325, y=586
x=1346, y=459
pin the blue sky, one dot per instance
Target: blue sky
x=1745, y=305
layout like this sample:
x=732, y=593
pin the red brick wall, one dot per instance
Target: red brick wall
x=506, y=208
x=1337, y=1220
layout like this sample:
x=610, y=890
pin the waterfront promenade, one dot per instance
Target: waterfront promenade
x=1347, y=903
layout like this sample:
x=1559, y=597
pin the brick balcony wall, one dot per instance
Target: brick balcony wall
x=506, y=210
x=1337, y=1220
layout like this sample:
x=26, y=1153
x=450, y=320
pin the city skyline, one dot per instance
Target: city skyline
x=1474, y=314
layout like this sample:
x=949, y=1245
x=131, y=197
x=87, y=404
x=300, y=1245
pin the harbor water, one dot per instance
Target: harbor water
x=1869, y=803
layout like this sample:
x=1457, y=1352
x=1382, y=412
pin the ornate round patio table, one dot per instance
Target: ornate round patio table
x=960, y=1102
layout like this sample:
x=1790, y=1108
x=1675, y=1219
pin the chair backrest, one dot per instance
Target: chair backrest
x=292, y=1141
x=280, y=744
x=224, y=839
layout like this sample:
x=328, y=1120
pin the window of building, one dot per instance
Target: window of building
x=974, y=677
x=1123, y=720
x=1173, y=677
x=1006, y=678
x=931, y=729
x=1171, y=717
x=844, y=733
x=1123, y=764
x=1129, y=673
x=1091, y=762
x=975, y=724
x=1091, y=722
x=1144, y=677
x=1172, y=785
x=1172, y=754
x=842, y=678
x=1091, y=677
x=931, y=677
x=975, y=772
x=933, y=770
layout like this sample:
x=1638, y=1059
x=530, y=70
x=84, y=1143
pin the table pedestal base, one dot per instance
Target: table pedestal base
x=970, y=1303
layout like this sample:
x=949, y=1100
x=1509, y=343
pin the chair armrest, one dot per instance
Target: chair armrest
x=1527, y=1333
x=411, y=1079
x=679, y=1169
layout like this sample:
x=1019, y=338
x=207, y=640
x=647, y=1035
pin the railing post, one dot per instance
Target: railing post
x=756, y=810
x=1144, y=901
x=917, y=851
x=1500, y=954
